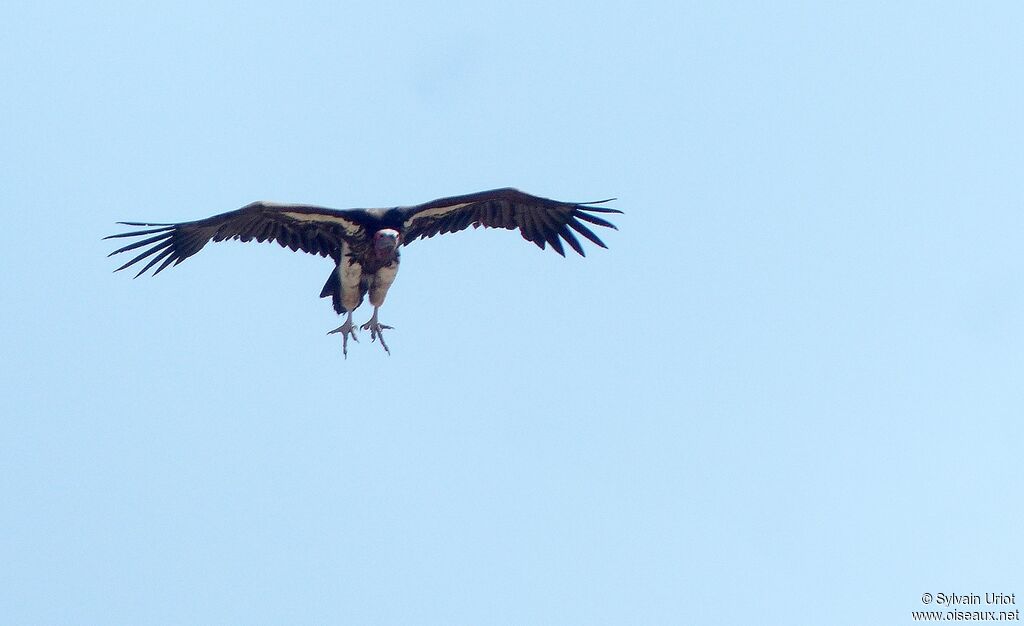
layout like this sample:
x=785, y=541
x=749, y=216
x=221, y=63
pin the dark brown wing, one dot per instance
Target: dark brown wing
x=539, y=220
x=312, y=229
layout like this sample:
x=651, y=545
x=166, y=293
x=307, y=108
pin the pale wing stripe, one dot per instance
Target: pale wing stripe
x=435, y=212
x=350, y=227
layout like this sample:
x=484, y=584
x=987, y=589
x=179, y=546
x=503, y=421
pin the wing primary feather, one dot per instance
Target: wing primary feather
x=593, y=219
x=597, y=209
x=173, y=258
x=552, y=238
x=549, y=230
x=139, y=244
x=155, y=260
x=139, y=233
x=145, y=253
x=586, y=232
x=571, y=239
x=540, y=231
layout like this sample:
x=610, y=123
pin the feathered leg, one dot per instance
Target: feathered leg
x=347, y=330
x=376, y=329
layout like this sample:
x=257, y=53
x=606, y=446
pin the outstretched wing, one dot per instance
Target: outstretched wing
x=539, y=220
x=312, y=229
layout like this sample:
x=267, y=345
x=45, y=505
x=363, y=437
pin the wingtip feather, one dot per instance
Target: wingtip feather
x=593, y=219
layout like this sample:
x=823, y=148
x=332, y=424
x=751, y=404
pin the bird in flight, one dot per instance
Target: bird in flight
x=363, y=243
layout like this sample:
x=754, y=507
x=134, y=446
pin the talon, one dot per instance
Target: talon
x=377, y=330
x=347, y=330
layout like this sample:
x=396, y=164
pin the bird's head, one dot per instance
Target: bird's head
x=385, y=242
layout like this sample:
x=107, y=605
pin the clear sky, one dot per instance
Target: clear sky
x=789, y=393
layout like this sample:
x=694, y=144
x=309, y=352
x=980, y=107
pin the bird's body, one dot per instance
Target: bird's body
x=364, y=243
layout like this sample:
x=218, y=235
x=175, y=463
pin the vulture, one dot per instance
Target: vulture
x=364, y=243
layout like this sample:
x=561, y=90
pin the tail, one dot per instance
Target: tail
x=332, y=289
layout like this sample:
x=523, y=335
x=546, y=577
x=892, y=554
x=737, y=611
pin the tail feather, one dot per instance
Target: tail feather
x=332, y=289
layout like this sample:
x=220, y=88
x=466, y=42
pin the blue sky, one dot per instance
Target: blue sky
x=790, y=391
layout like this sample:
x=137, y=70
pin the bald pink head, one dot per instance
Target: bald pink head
x=385, y=242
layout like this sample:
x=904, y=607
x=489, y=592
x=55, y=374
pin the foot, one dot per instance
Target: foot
x=347, y=330
x=377, y=331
